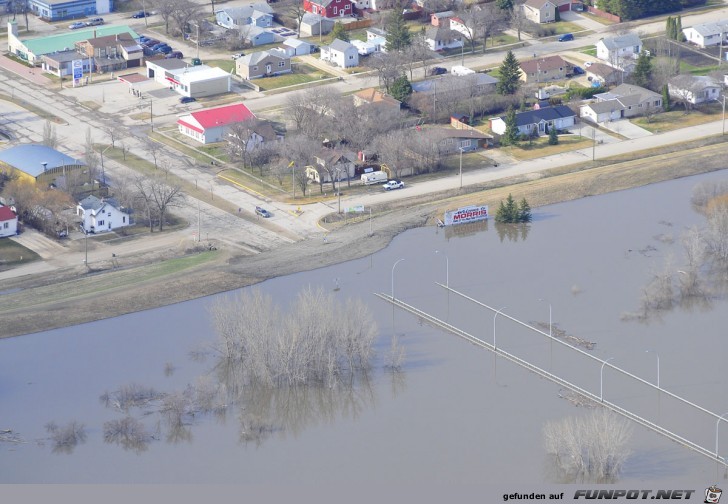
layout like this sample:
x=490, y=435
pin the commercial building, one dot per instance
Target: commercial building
x=198, y=81
x=57, y=10
x=39, y=164
x=213, y=125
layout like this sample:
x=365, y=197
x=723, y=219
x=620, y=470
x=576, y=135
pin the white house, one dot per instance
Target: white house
x=8, y=222
x=540, y=11
x=458, y=25
x=365, y=48
x=101, y=215
x=298, y=47
x=694, y=88
x=538, y=121
x=706, y=34
x=212, y=125
x=619, y=51
x=441, y=37
x=341, y=54
x=257, y=14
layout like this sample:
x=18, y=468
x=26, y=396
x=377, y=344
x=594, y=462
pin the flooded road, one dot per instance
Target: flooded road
x=454, y=414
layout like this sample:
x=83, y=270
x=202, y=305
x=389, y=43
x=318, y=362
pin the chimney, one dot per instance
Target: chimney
x=94, y=32
x=45, y=164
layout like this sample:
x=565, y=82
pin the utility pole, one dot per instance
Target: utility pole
x=198, y=221
x=723, y=115
x=151, y=113
x=594, y=144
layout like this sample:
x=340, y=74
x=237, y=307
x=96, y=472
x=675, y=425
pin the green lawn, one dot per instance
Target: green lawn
x=13, y=254
x=591, y=51
x=566, y=27
x=686, y=67
x=225, y=64
x=677, y=118
x=301, y=74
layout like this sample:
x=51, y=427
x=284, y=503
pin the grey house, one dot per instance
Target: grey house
x=257, y=14
x=313, y=24
x=262, y=64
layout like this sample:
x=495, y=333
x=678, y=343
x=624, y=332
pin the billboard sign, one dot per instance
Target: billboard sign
x=354, y=209
x=77, y=66
x=466, y=214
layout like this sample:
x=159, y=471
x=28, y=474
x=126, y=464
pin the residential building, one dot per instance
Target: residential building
x=540, y=11
x=458, y=25
x=257, y=14
x=257, y=36
x=378, y=37
x=619, y=51
x=213, y=125
x=694, y=89
x=39, y=164
x=538, y=122
x=60, y=63
x=364, y=48
x=341, y=54
x=707, y=34
x=441, y=18
x=454, y=141
x=58, y=10
x=329, y=8
x=339, y=163
x=604, y=74
x=545, y=69
x=313, y=24
x=262, y=64
x=298, y=47
x=625, y=100
x=199, y=81
x=8, y=222
x=111, y=53
x=370, y=5
x=101, y=215
x=443, y=38
x=372, y=96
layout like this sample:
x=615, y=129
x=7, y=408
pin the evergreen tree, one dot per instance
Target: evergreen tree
x=679, y=35
x=501, y=213
x=506, y=5
x=524, y=210
x=398, y=34
x=669, y=28
x=339, y=32
x=401, y=88
x=553, y=137
x=511, y=135
x=665, y=98
x=557, y=15
x=642, y=75
x=510, y=73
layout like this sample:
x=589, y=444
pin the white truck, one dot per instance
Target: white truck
x=377, y=177
x=461, y=70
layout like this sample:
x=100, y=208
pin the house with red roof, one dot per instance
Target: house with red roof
x=213, y=125
x=8, y=222
x=330, y=8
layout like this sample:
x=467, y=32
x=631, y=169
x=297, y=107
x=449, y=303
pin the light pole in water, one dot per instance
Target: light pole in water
x=494, y=316
x=395, y=265
x=601, y=380
x=447, y=269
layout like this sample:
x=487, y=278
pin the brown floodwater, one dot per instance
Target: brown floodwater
x=453, y=415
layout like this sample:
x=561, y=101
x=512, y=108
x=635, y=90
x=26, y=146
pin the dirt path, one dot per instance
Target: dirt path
x=52, y=300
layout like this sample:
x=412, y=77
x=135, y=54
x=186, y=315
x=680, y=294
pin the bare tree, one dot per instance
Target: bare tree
x=417, y=53
x=389, y=67
x=66, y=438
x=156, y=197
x=685, y=89
x=50, y=138
x=518, y=20
x=90, y=157
x=128, y=432
x=185, y=11
x=296, y=10
x=166, y=9
x=153, y=148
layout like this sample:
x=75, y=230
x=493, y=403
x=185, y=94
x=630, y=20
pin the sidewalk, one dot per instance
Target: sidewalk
x=34, y=75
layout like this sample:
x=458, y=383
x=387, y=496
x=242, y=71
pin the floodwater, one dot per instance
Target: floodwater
x=455, y=414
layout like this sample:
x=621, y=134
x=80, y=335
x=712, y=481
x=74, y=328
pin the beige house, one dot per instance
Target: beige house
x=545, y=69
x=262, y=64
x=624, y=101
x=540, y=11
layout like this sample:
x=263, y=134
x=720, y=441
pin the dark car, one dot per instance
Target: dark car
x=566, y=37
x=579, y=71
x=174, y=54
x=187, y=99
x=158, y=45
x=164, y=49
x=150, y=43
x=262, y=212
x=140, y=14
x=438, y=71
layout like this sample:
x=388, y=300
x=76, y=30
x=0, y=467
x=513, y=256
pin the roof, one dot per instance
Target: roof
x=246, y=11
x=624, y=90
x=373, y=95
x=601, y=70
x=52, y=43
x=294, y=42
x=167, y=64
x=325, y=3
x=538, y=4
x=258, y=56
x=223, y=116
x=444, y=14
x=708, y=29
x=441, y=33
x=603, y=107
x=202, y=74
x=6, y=214
x=29, y=158
x=544, y=64
x=693, y=82
x=620, y=41
x=107, y=40
x=542, y=114
x=312, y=19
x=340, y=45
x=65, y=56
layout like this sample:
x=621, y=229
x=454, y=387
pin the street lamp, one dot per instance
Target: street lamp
x=447, y=269
x=338, y=187
x=395, y=265
x=601, y=380
x=494, y=316
x=716, y=432
x=461, y=167
x=658, y=365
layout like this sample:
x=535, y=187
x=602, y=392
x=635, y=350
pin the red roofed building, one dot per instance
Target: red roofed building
x=212, y=125
x=8, y=222
x=329, y=8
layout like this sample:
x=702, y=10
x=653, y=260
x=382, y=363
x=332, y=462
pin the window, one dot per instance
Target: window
x=255, y=69
x=335, y=11
x=101, y=223
x=109, y=214
x=123, y=219
x=281, y=64
x=351, y=56
x=6, y=225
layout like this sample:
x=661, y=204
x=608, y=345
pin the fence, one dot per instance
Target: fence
x=355, y=25
x=602, y=14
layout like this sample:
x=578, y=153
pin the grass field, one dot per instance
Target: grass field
x=13, y=254
x=301, y=74
x=677, y=118
x=540, y=147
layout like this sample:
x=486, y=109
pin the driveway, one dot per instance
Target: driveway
x=627, y=129
x=583, y=21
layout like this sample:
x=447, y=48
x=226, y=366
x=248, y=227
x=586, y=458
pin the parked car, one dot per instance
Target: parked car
x=95, y=21
x=262, y=212
x=77, y=25
x=165, y=49
x=187, y=99
x=566, y=37
x=150, y=43
x=438, y=71
x=588, y=64
x=158, y=45
x=578, y=71
x=140, y=14
x=174, y=54
x=237, y=55
x=393, y=184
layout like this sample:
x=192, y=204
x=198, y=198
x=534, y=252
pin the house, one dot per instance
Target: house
x=540, y=11
x=212, y=125
x=605, y=74
x=458, y=25
x=620, y=50
x=298, y=47
x=454, y=141
x=694, y=89
x=60, y=63
x=341, y=54
x=625, y=100
x=339, y=163
x=101, y=215
x=198, y=81
x=262, y=64
x=441, y=18
x=55, y=10
x=256, y=36
x=371, y=5
x=538, y=122
x=259, y=133
x=313, y=24
x=257, y=14
x=443, y=38
x=8, y=222
x=32, y=49
x=378, y=37
x=372, y=96
x=707, y=34
x=40, y=164
x=329, y=8
x=111, y=53
x=545, y=69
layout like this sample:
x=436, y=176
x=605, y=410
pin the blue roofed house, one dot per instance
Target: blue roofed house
x=39, y=164
x=57, y=10
x=257, y=14
x=537, y=122
x=101, y=215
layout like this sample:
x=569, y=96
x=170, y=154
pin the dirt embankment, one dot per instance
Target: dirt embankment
x=58, y=300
